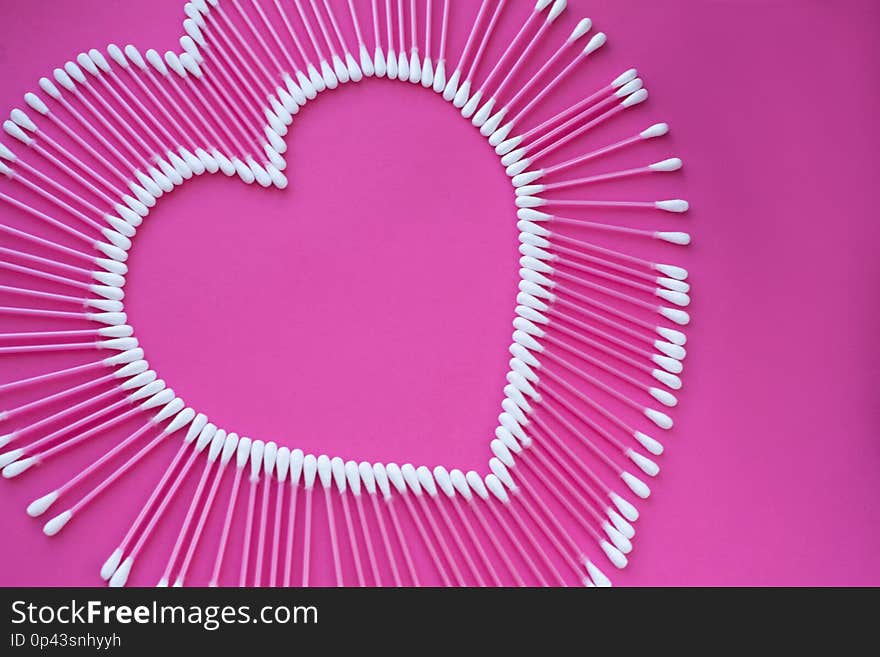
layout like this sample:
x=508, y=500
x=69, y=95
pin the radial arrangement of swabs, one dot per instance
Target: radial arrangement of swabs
x=597, y=344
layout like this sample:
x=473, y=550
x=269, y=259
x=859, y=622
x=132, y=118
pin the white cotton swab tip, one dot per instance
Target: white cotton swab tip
x=39, y=506
x=17, y=467
x=669, y=164
x=599, y=578
x=660, y=419
x=595, y=43
x=673, y=237
x=57, y=523
x=626, y=509
x=673, y=205
x=667, y=378
x=120, y=577
x=644, y=464
x=636, y=485
x=583, y=26
x=111, y=564
x=680, y=317
x=653, y=446
x=614, y=555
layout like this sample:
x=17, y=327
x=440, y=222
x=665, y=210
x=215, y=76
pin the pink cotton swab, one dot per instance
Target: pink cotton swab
x=256, y=464
x=270, y=455
x=282, y=468
x=353, y=476
x=444, y=482
x=369, y=480
x=103, y=277
x=171, y=408
x=325, y=475
x=329, y=78
x=429, y=485
x=470, y=107
x=337, y=466
x=481, y=116
x=310, y=472
x=382, y=482
x=459, y=481
x=451, y=87
x=296, y=468
x=199, y=435
x=242, y=456
x=439, y=73
x=144, y=386
x=478, y=486
x=463, y=93
x=411, y=478
x=57, y=523
x=222, y=447
x=121, y=359
x=107, y=291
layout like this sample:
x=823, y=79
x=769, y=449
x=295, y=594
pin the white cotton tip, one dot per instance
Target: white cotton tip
x=143, y=197
x=671, y=350
x=525, y=179
x=426, y=480
x=35, y=103
x=451, y=87
x=309, y=470
x=162, y=583
x=258, y=447
x=535, y=277
x=597, y=576
x=278, y=179
x=327, y=74
x=15, y=131
x=62, y=78
x=225, y=164
x=530, y=190
x=380, y=474
x=337, y=467
x=57, y=523
x=502, y=452
x=595, y=43
x=508, y=145
x=629, y=88
x=410, y=476
x=120, y=577
x=557, y=8
x=307, y=87
x=196, y=166
x=636, y=485
x=353, y=477
x=462, y=95
x=444, y=481
x=277, y=117
x=501, y=134
x=513, y=409
x=620, y=523
x=379, y=66
x=674, y=336
x=614, y=555
x=536, y=265
x=653, y=446
x=270, y=456
x=274, y=158
x=107, y=292
x=395, y=476
x=135, y=57
x=491, y=123
x=518, y=167
x=532, y=239
x=521, y=384
x=415, y=67
x=678, y=273
x=624, y=78
x=111, y=564
x=325, y=470
x=501, y=472
x=476, y=484
x=40, y=505
x=367, y=477
x=122, y=331
x=339, y=69
x=149, y=184
x=668, y=379
x=626, y=509
x=210, y=163
x=260, y=174
x=493, y=483
x=125, y=357
x=636, y=98
x=439, y=84
x=88, y=63
x=112, y=266
x=402, y=67
x=460, y=482
x=583, y=26
x=10, y=456
x=524, y=325
x=620, y=541
x=471, y=106
x=75, y=72
x=275, y=141
x=117, y=239
x=670, y=164
x=645, y=464
x=296, y=91
x=513, y=157
x=660, y=419
x=17, y=467
x=656, y=130
x=513, y=393
x=678, y=298
x=367, y=67
x=673, y=205
x=49, y=88
x=23, y=120
x=391, y=64
x=104, y=305
x=244, y=171
x=160, y=179
x=315, y=78
x=427, y=77
x=680, y=317
x=674, y=284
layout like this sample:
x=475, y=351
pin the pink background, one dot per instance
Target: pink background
x=365, y=311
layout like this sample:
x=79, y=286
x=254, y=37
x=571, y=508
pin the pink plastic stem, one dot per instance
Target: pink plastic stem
x=49, y=220
x=505, y=527
x=98, y=135
x=580, y=131
x=444, y=547
x=524, y=57
x=60, y=248
x=368, y=540
x=111, y=111
x=550, y=86
x=577, y=434
x=472, y=535
x=227, y=526
x=44, y=275
x=261, y=533
x=599, y=152
x=608, y=291
x=526, y=88
x=459, y=543
x=248, y=532
x=79, y=165
x=305, y=21
x=291, y=524
x=608, y=309
x=334, y=539
x=444, y=31
x=335, y=25
x=481, y=50
x=51, y=376
x=601, y=364
x=597, y=407
x=401, y=540
x=200, y=525
x=307, y=537
x=571, y=115
x=429, y=10
x=493, y=539
x=286, y=19
x=484, y=6
x=68, y=412
x=357, y=25
x=601, y=347
x=82, y=143
x=23, y=255
x=386, y=542
x=276, y=533
x=426, y=539
x=273, y=32
x=587, y=470
x=57, y=201
x=401, y=30
x=12, y=412
x=520, y=35
x=377, y=32
x=533, y=541
x=608, y=264
x=355, y=550
x=125, y=103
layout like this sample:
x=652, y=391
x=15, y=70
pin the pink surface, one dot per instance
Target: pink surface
x=390, y=262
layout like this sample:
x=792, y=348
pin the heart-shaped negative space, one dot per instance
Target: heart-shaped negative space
x=361, y=312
